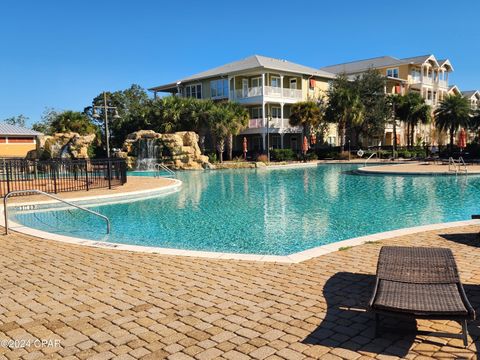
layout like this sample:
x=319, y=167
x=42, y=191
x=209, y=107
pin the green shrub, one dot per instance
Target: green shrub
x=283, y=154
x=212, y=157
x=312, y=156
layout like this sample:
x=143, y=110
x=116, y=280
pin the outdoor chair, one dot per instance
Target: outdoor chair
x=420, y=283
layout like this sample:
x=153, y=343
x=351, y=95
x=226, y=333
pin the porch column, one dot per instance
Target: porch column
x=231, y=89
x=281, y=89
x=281, y=115
x=263, y=84
x=421, y=73
x=264, y=117
x=281, y=140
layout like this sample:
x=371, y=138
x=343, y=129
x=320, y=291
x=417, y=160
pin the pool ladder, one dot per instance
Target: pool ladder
x=457, y=165
x=160, y=167
x=34, y=191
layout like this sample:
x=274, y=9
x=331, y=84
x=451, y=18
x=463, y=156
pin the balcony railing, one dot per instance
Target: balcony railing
x=427, y=80
x=271, y=91
x=275, y=123
x=442, y=83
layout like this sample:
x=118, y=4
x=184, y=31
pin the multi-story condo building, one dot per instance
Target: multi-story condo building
x=267, y=87
x=423, y=74
x=473, y=96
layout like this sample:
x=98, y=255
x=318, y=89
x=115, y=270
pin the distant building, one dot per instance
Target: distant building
x=267, y=87
x=423, y=74
x=16, y=141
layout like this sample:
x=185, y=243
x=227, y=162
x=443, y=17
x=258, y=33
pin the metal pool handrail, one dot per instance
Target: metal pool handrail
x=164, y=167
x=373, y=154
x=5, y=199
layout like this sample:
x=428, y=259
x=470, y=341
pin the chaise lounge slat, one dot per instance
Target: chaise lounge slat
x=420, y=282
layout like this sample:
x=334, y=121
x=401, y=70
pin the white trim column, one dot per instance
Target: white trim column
x=281, y=89
x=263, y=84
x=281, y=114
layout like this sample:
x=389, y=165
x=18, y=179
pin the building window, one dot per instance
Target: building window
x=257, y=82
x=219, y=89
x=194, y=91
x=256, y=113
x=275, y=81
x=276, y=141
x=332, y=141
x=276, y=112
x=293, y=83
x=392, y=72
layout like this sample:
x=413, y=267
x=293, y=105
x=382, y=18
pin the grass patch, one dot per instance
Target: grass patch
x=343, y=248
x=371, y=242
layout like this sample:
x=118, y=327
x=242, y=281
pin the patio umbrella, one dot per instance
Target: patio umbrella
x=305, y=145
x=245, y=147
x=462, y=139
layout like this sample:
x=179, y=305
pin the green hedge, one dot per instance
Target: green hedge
x=283, y=155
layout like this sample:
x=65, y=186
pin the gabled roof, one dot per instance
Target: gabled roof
x=454, y=88
x=7, y=129
x=422, y=59
x=378, y=62
x=253, y=62
x=362, y=65
x=445, y=62
x=471, y=93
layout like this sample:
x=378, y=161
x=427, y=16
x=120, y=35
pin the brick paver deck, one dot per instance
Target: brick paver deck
x=104, y=304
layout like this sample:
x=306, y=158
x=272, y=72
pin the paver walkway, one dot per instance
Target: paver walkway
x=103, y=304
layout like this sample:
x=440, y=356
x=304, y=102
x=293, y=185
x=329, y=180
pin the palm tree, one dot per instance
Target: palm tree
x=306, y=114
x=238, y=121
x=345, y=107
x=219, y=128
x=413, y=110
x=453, y=112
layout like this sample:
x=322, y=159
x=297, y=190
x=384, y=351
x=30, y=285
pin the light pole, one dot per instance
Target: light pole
x=105, y=109
x=349, y=150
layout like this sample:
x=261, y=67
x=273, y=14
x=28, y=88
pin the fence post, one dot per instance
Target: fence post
x=7, y=165
x=86, y=174
x=109, y=173
x=54, y=171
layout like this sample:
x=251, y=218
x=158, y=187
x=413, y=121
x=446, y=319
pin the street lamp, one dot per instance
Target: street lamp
x=105, y=109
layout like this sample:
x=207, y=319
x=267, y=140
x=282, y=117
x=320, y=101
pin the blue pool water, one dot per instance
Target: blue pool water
x=272, y=211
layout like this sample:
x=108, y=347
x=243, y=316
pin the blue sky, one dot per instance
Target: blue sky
x=61, y=54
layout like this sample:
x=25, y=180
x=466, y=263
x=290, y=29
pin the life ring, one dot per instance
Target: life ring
x=360, y=153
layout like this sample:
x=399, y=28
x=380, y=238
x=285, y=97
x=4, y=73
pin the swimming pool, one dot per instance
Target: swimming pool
x=277, y=212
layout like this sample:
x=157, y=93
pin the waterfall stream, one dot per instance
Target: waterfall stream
x=147, y=154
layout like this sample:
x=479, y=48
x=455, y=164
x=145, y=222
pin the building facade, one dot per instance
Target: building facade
x=268, y=88
x=16, y=142
x=424, y=75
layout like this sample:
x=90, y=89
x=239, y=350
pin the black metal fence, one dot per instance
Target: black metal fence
x=54, y=176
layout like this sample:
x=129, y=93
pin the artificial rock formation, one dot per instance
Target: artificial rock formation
x=179, y=150
x=70, y=145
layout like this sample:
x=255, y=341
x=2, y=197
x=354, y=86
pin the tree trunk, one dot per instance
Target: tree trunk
x=408, y=135
x=220, y=149
x=341, y=133
x=394, y=142
x=452, y=137
x=230, y=147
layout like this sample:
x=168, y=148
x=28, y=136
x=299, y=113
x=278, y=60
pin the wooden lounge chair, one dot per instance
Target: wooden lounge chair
x=420, y=283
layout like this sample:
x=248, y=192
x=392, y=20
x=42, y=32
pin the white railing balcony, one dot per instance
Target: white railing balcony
x=427, y=80
x=274, y=123
x=246, y=93
x=416, y=79
x=442, y=83
x=255, y=123
x=271, y=91
x=292, y=94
